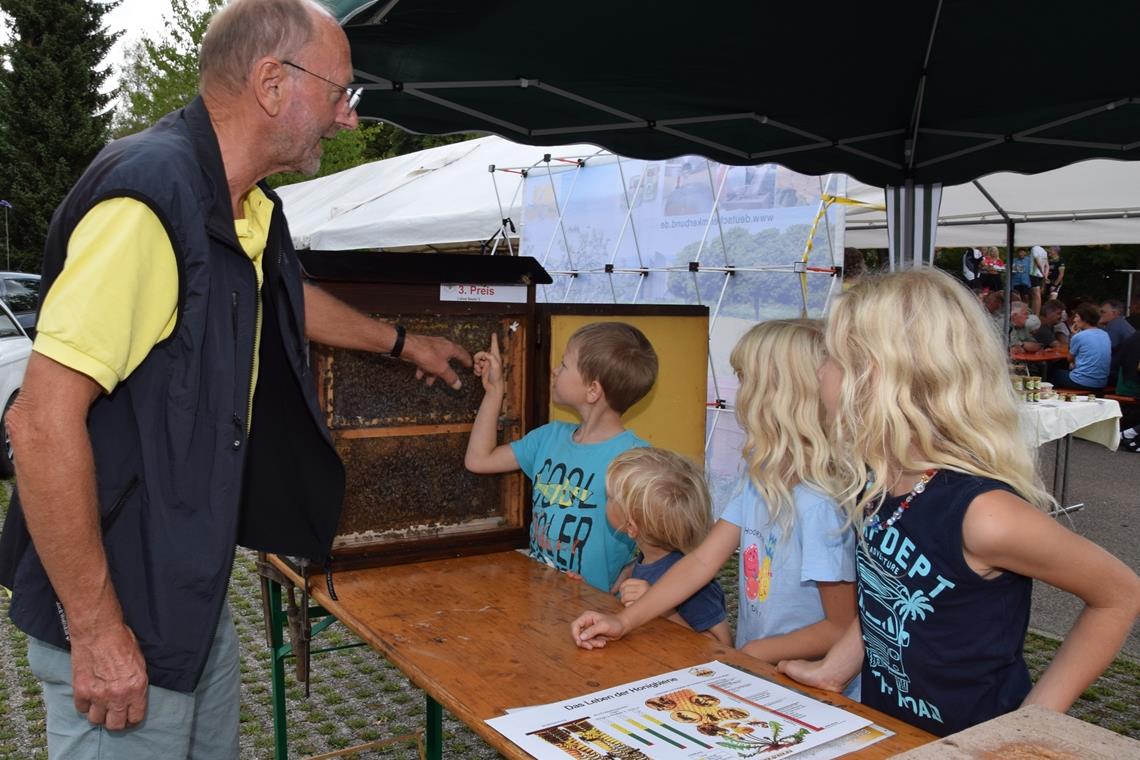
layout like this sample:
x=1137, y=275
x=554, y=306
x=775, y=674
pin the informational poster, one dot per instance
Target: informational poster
x=711, y=711
x=749, y=242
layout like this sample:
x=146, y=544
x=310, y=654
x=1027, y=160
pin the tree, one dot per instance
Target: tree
x=53, y=111
x=161, y=75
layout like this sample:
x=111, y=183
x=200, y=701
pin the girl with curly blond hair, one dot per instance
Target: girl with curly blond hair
x=952, y=517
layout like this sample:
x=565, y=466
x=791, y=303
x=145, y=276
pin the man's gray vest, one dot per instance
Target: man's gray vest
x=179, y=480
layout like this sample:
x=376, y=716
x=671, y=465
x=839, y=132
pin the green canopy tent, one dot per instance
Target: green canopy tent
x=898, y=93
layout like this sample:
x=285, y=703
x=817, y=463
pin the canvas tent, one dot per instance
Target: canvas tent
x=445, y=198
x=940, y=91
x=438, y=199
x=1090, y=203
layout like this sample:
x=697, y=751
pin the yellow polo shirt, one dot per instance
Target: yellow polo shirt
x=117, y=295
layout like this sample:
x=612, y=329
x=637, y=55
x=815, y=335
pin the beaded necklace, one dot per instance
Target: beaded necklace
x=874, y=523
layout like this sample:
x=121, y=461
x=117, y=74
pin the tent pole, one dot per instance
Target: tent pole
x=907, y=257
x=561, y=211
x=628, y=222
x=1009, y=235
x=503, y=217
x=712, y=211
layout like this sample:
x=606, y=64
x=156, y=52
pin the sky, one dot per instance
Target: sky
x=134, y=18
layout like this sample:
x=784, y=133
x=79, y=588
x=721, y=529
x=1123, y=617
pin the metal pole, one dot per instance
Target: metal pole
x=907, y=249
x=7, y=244
x=1009, y=233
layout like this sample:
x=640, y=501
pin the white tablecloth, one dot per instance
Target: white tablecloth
x=1097, y=421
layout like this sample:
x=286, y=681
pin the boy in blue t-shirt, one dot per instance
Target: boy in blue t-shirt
x=607, y=368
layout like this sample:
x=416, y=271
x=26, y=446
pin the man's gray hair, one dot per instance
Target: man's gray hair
x=1115, y=304
x=246, y=30
x=1018, y=307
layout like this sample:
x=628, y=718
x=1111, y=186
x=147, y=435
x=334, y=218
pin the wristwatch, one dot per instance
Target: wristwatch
x=398, y=346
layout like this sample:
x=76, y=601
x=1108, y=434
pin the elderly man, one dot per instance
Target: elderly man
x=1112, y=321
x=1021, y=336
x=144, y=453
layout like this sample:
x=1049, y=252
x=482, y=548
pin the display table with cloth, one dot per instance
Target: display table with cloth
x=1096, y=420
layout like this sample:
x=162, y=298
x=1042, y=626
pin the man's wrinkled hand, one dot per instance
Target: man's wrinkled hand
x=432, y=356
x=108, y=676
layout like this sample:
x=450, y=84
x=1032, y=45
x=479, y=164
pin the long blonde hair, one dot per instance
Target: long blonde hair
x=925, y=384
x=778, y=406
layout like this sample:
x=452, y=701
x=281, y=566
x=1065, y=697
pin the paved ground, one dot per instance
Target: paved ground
x=1109, y=485
x=358, y=696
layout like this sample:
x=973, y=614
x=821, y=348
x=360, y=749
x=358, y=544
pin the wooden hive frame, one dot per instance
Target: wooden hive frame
x=409, y=497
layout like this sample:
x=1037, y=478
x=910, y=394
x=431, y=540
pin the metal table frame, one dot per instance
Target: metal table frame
x=276, y=589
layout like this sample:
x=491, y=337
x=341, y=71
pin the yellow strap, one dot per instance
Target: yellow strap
x=852, y=202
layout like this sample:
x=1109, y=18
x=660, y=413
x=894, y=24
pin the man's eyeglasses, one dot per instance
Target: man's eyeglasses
x=352, y=93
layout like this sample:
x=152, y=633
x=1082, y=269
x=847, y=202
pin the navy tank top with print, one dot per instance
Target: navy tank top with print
x=942, y=645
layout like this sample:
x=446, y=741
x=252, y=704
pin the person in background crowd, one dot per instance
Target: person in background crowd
x=1090, y=354
x=1128, y=384
x=992, y=267
x=1133, y=317
x=1019, y=274
x=1119, y=330
x=1113, y=321
x=1054, y=331
x=994, y=304
x=1056, y=272
x=1037, y=276
x=1020, y=335
x=972, y=268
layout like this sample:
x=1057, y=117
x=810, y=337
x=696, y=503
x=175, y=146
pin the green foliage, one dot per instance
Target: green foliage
x=161, y=75
x=371, y=141
x=344, y=151
x=53, y=115
x=1090, y=270
x=389, y=140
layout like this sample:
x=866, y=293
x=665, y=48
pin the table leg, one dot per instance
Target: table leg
x=1067, y=441
x=1057, y=472
x=1062, y=467
x=434, y=730
x=277, y=654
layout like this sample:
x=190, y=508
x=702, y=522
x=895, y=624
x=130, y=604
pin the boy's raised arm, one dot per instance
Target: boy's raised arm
x=484, y=455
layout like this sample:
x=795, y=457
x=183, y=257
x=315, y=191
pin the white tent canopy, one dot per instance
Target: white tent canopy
x=445, y=197
x=1094, y=202
x=436, y=198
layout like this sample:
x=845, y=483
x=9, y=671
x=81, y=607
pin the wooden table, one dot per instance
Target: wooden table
x=482, y=634
x=1044, y=355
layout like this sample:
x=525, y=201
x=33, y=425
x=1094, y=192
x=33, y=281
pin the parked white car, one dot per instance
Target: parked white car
x=15, y=348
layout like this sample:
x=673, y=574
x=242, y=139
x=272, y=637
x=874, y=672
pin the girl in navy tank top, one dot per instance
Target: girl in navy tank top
x=952, y=517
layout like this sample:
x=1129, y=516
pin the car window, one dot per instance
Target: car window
x=21, y=295
x=8, y=327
